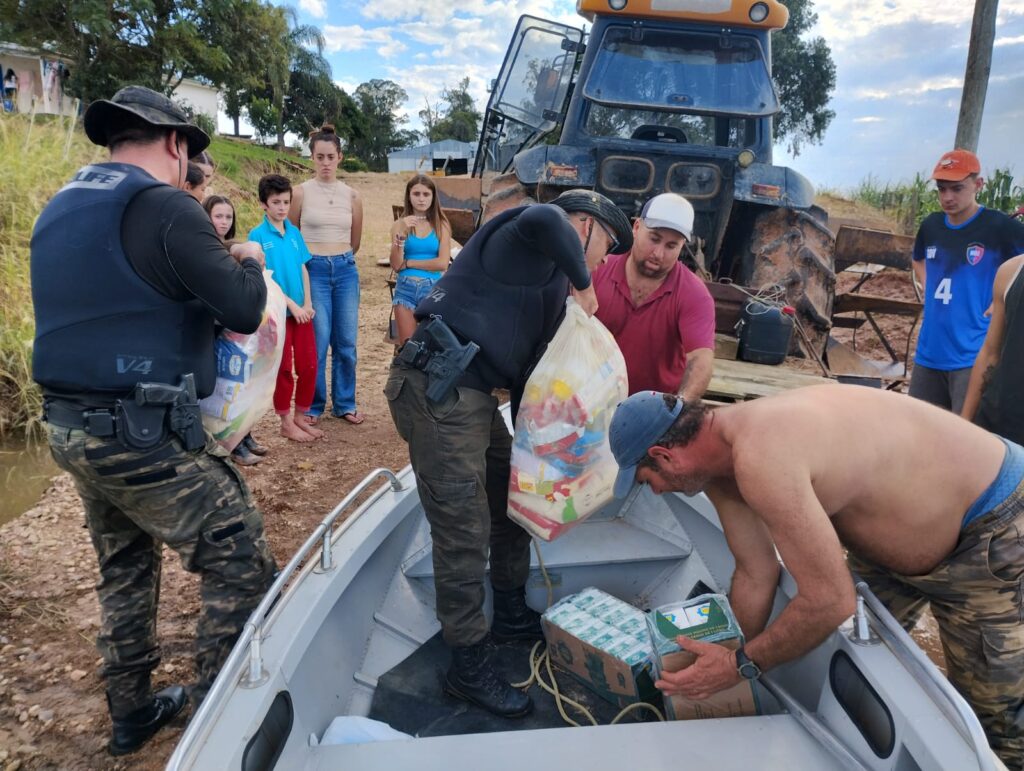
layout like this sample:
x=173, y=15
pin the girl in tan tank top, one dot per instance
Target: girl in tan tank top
x=329, y=214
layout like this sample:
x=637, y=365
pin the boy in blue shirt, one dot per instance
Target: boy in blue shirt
x=956, y=256
x=286, y=256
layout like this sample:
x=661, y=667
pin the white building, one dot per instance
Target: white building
x=41, y=76
x=426, y=158
x=199, y=96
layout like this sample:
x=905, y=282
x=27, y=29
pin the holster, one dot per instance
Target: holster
x=440, y=354
x=187, y=424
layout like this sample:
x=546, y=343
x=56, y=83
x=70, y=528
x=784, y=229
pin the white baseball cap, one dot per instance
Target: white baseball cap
x=671, y=211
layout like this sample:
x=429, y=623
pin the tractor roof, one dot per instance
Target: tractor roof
x=731, y=13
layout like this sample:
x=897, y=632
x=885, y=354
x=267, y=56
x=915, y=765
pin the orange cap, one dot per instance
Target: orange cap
x=956, y=165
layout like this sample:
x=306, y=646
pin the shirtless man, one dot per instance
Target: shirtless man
x=930, y=507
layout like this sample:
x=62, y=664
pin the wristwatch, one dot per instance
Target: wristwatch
x=745, y=666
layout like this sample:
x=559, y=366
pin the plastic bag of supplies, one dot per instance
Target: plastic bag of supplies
x=247, y=368
x=562, y=466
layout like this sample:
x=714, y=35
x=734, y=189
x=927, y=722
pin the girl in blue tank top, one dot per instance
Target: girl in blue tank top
x=420, y=251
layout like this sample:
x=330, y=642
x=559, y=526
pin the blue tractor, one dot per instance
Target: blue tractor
x=662, y=96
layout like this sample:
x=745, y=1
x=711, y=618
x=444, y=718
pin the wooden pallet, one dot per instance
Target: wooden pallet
x=740, y=380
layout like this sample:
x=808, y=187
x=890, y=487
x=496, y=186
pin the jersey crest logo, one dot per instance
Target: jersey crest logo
x=929, y=253
x=974, y=253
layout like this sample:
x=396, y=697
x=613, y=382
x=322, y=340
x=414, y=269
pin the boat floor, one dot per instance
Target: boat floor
x=410, y=699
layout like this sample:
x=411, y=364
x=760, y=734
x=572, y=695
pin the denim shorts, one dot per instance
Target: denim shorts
x=410, y=290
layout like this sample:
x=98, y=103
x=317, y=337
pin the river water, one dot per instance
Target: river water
x=25, y=472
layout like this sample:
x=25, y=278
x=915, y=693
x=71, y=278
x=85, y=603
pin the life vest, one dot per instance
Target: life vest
x=100, y=328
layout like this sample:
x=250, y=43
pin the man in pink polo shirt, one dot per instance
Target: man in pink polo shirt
x=661, y=314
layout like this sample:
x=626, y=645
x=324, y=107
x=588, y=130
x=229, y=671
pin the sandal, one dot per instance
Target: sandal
x=353, y=417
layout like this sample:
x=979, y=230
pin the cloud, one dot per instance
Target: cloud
x=843, y=23
x=943, y=83
x=1009, y=41
x=315, y=8
x=354, y=37
x=869, y=119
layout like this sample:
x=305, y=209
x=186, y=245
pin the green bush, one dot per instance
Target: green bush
x=351, y=163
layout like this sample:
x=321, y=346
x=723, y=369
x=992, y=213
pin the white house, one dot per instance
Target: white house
x=199, y=96
x=41, y=76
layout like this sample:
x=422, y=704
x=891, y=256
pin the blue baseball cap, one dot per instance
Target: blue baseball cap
x=639, y=422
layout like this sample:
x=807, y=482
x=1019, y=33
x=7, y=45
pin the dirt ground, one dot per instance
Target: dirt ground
x=52, y=709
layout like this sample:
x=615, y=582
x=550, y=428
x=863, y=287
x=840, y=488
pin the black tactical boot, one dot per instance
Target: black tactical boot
x=136, y=729
x=472, y=677
x=243, y=456
x=254, y=447
x=513, y=618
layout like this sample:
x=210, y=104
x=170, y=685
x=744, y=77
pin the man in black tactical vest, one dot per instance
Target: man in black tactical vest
x=484, y=326
x=993, y=398
x=128, y=280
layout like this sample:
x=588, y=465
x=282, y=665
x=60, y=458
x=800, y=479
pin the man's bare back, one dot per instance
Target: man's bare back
x=895, y=474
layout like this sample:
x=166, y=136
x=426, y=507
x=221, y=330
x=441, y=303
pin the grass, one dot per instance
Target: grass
x=910, y=202
x=35, y=168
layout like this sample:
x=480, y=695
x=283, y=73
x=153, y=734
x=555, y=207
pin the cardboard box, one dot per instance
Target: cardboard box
x=602, y=642
x=708, y=618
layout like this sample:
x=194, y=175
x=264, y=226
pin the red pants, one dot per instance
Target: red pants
x=300, y=344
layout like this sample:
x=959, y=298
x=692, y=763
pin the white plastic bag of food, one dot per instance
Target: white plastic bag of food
x=562, y=466
x=246, y=373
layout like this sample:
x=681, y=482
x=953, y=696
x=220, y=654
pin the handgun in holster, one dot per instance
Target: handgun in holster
x=153, y=404
x=441, y=356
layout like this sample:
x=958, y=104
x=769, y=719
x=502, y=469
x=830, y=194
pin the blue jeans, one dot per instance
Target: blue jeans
x=334, y=288
x=411, y=290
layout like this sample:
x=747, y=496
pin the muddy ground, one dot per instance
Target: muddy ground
x=52, y=709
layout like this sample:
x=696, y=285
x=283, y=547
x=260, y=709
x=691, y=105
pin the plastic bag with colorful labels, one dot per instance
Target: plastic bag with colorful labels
x=562, y=466
x=247, y=368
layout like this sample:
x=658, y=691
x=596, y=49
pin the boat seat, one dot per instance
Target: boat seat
x=775, y=741
x=590, y=543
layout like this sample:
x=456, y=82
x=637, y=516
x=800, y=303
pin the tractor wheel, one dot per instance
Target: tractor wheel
x=794, y=250
x=507, y=197
x=503, y=181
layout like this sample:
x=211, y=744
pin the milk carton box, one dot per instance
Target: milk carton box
x=710, y=619
x=602, y=641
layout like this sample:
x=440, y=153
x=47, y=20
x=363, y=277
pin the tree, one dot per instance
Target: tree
x=459, y=120
x=253, y=34
x=302, y=53
x=378, y=101
x=805, y=77
x=154, y=43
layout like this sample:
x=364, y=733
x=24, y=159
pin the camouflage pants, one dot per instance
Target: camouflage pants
x=976, y=597
x=460, y=453
x=196, y=503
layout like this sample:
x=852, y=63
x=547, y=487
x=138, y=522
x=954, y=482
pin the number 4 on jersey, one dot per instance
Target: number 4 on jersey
x=944, y=291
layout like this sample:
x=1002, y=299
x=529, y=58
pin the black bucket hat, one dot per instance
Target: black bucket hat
x=602, y=208
x=105, y=116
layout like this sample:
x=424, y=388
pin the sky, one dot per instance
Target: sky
x=900, y=67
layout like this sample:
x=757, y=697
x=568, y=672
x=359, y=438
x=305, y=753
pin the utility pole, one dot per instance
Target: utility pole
x=979, y=65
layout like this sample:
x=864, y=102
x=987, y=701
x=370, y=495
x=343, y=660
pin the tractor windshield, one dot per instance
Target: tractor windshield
x=686, y=72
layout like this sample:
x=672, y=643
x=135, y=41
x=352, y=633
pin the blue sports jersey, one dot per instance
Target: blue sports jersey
x=960, y=265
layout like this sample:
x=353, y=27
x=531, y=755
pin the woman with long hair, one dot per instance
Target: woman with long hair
x=421, y=245
x=205, y=163
x=329, y=214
